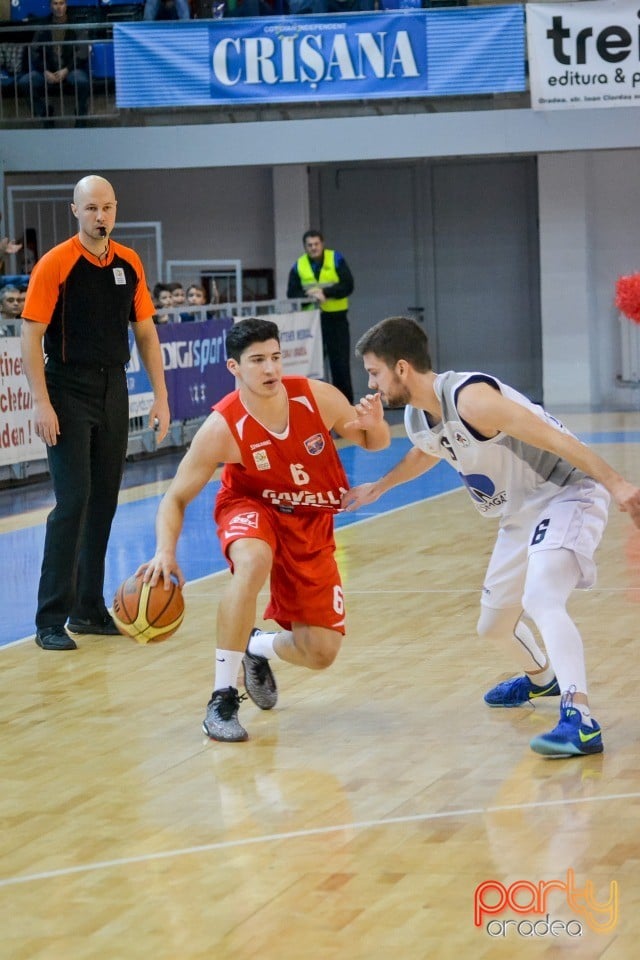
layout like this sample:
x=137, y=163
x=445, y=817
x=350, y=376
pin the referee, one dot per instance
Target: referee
x=82, y=295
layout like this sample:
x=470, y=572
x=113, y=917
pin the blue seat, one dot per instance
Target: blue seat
x=25, y=9
x=102, y=61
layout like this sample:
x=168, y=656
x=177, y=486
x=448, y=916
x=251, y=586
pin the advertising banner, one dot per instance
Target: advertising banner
x=195, y=369
x=286, y=59
x=301, y=342
x=18, y=441
x=583, y=54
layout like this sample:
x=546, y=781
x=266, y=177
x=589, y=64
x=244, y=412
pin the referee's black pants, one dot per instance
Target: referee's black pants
x=86, y=468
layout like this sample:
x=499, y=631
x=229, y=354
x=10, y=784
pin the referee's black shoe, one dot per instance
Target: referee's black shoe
x=103, y=626
x=54, y=638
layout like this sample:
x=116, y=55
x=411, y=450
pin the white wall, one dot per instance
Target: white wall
x=589, y=235
x=205, y=214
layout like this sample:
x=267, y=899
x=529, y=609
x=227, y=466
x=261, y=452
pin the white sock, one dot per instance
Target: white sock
x=543, y=678
x=586, y=714
x=261, y=643
x=228, y=664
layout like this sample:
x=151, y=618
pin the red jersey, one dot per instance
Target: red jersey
x=296, y=469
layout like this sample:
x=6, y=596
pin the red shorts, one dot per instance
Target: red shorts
x=305, y=582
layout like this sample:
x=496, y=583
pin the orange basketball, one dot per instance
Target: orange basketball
x=145, y=613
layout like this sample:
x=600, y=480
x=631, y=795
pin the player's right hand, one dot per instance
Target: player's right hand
x=163, y=565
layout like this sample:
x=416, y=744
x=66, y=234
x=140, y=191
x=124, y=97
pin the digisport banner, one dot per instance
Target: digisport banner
x=583, y=54
x=357, y=56
x=195, y=369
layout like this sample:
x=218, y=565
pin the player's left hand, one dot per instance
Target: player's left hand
x=370, y=412
x=628, y=500
x=359, y=496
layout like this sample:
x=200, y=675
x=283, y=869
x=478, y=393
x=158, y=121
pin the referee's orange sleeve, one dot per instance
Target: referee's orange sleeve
x=45, y=281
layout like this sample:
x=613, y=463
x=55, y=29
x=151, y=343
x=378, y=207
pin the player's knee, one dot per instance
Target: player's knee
x=536, y=607
x=493, y=624
x=252, y=571
x=322, y=651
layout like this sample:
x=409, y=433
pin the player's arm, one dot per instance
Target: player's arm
x=363, y=424
x=148, y=345
x=45, y=419
x=489, y=412
x=213, y=444
x=412, y=465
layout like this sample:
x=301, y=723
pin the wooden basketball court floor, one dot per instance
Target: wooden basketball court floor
x=367, y=810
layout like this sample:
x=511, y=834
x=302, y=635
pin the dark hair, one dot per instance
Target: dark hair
x=248, y=331
x=174, y=285
x=311, y=233
x=159, y=287
x=397, y=338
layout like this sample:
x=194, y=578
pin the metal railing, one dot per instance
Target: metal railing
x=28, y=96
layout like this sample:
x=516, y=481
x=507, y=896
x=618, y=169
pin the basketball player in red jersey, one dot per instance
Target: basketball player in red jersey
x=282, y=482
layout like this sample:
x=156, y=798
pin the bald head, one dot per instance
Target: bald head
x=94, y=206
x=92, y=184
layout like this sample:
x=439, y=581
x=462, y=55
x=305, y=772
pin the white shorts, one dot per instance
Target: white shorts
x=574, y=519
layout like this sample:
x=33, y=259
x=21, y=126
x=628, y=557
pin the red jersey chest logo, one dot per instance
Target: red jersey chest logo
x=315, y=444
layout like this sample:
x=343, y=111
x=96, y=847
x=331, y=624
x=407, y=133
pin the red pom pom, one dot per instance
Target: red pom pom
x=628, y=296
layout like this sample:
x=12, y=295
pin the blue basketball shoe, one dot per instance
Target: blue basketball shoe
x=519, y=690
x=572, y=737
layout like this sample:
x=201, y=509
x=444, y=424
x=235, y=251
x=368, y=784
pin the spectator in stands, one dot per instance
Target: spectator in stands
x=57, y=65
x=162, y=301
x=13, y=75
x=9, y=310
x=7, y=247
x=196, y=295
x=22, y=296
x=178, y=296
x=167, y=10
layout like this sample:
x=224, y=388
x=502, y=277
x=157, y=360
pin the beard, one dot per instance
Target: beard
x=397, y=396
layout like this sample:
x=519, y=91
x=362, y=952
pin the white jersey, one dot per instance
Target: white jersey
x=502, y=475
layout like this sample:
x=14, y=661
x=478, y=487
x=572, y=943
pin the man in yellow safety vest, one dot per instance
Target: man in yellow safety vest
x=323, y=276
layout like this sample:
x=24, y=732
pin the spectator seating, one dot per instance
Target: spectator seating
x=102, y=61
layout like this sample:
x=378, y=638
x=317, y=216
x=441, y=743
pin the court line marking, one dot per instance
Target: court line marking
x=338, y=530
x=361, y=519
x=311, y=832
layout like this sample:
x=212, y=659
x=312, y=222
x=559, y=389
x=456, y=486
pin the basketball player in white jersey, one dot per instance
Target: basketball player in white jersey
x=550, y=491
